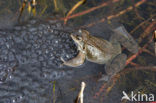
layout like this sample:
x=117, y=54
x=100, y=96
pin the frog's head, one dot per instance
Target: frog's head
x=82, y=35
x=80, y=38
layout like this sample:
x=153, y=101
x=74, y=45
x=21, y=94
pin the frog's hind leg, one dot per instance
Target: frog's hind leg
x=125, y=39
x=114, y=66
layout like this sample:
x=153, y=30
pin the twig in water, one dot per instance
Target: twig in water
x=54, y=97
x=80, y=95
x=147, y=31
x=142, y=23
x=73, y=9
x=88, y=11
x=140, y=51
x=154, y=41
x=22, y=9
x=111, y=16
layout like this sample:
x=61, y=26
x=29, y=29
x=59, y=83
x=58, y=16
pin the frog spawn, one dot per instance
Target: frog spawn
x=18, y=89
x=34, y=43
x=7, y=57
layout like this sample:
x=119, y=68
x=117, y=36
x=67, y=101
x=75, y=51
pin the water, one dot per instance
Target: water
x=28, y=76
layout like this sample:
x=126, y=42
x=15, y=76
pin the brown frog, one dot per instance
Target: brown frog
x=101, y=51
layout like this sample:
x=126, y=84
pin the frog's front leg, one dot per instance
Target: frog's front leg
x=114, y=66
x=77, y=61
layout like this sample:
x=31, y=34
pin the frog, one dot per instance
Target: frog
x=98, y=50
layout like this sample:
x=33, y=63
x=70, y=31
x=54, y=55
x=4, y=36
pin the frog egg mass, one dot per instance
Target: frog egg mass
x=39, y=47
x=36, y=42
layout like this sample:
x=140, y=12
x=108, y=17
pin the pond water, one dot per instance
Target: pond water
x=31, y=48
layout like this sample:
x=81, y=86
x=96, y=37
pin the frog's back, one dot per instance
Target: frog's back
x=105, y=46
x=100, y=50
x=96, y=56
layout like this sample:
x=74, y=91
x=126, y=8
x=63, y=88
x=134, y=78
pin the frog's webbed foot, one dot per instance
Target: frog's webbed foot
x=77, y=61
x=114, y=66
x=125, y=39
